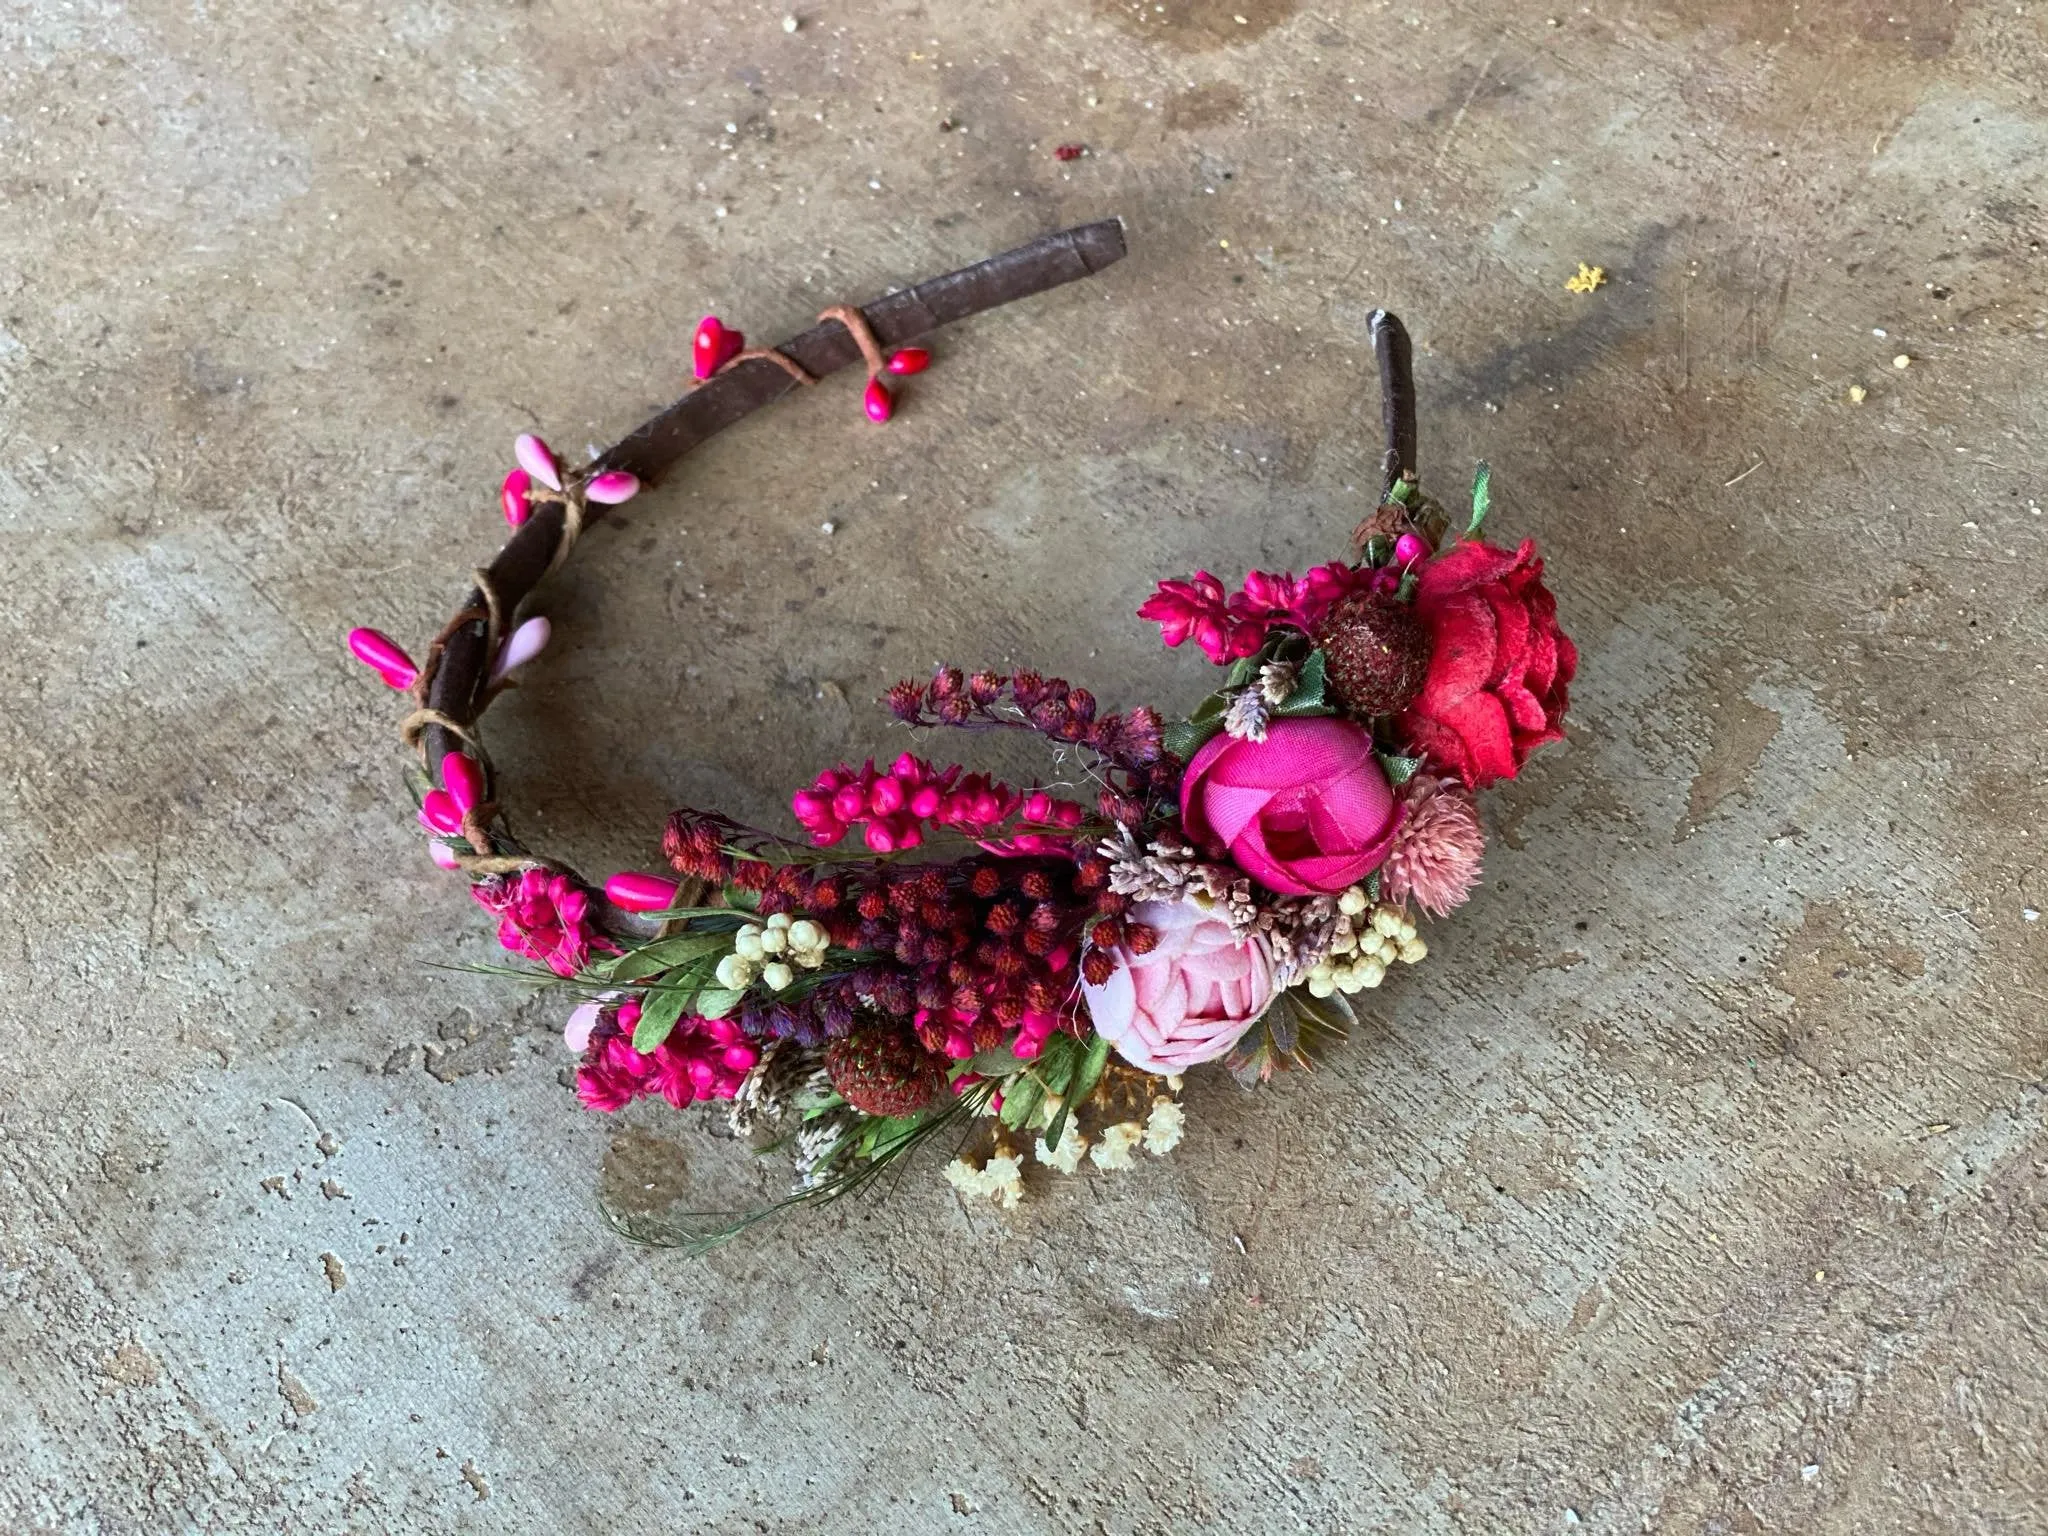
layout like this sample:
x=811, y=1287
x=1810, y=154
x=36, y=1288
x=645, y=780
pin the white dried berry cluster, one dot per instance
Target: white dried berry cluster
x=1359, y=952
x=772, y=951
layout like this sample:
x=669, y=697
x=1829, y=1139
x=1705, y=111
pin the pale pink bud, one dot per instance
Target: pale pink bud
x=582, y=1020
x=440, y=813
x=382, y=654
x=640, y=893
x=910, y=360
x=878, y=402
x=512, y=497
x=612, y=487
x=463, y=778
x=537, y=459
x=526, y=642
x=442, y=854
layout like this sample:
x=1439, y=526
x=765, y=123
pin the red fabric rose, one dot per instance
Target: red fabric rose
x=1499, y=672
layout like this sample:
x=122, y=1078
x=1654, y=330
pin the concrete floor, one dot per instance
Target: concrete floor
x=1694, y=1185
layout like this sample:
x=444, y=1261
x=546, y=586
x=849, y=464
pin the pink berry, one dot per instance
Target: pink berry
x=640, y=893
x=612, y=487
x=537, y=459
x=512, y=497
x=382, y=654
x=714, y=346
x=463, y=778
x=440, y=813
x=1409, y=548
x=879, y=403
x=582, y=1020
x=910, y=360
x=526, y=642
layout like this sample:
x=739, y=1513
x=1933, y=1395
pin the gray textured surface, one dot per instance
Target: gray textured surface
x=1693, y=1185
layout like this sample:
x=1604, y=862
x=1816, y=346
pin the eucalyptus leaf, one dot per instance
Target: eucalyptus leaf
x=1086, y=1076
x=717, y=1002
x=665, y=954
x=659, y=1011
x=1021, y=1099
x=1482, y=499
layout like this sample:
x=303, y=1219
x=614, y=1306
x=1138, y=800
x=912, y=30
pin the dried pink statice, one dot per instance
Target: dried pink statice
x=1438, y=846
x=698, y=1059
x=543, y=917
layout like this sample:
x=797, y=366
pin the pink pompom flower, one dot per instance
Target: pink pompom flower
x=1308, y=811
x=1438, y=846
x=1188, y=999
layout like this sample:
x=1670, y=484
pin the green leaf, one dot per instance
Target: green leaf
x=1399, y=770
x=1021, y=1097
x=664, y=955
x=1184, y=738
x=1309, y=690
x=659, y=1010
x=1086, y=1076
x=1482, y=499
x=1241, y=672
x=1379, y=549
x=717, y=1002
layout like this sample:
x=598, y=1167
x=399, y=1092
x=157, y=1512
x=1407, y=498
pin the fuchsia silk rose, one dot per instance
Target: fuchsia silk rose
x=1498, y=675
x=1187, y=1000
x=1306, y=812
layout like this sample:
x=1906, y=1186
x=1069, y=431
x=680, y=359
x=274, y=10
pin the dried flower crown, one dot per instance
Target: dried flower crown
x=940, y=949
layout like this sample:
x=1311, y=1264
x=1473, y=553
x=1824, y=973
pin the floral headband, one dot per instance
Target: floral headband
x=1031, y=968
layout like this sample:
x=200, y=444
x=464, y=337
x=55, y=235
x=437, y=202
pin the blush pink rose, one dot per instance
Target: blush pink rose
x=1188, y=999
x=1306, y=812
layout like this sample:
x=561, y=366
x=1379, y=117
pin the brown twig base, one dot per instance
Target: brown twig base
x=453, y=685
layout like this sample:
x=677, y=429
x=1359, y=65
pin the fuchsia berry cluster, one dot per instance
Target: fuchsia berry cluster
x=716, y=346
x=538, y=475
x=897, y=804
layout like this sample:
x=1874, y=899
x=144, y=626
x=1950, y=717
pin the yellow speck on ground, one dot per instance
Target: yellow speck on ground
x=1586, y=279
x=1903, y=360
x=1857, y=394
